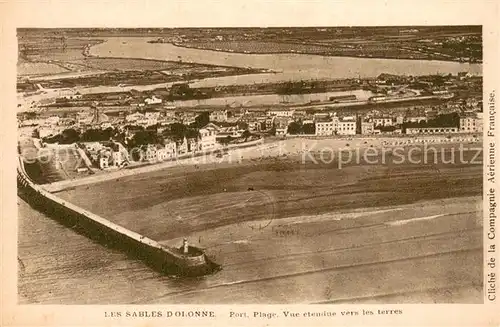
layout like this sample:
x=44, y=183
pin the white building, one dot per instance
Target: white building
x=281, y=125
x=207, y=140
x=325, y=127
x=151, y=118
x=383, y=121
x=158, y=152
x=162, y=153
x=281, y=113
x=218, y=115
x=171, y=149
x=470, y=124
x=281, y=131
x=150, y=153
x=153, y=100
x=346, y=127
x=182, y=146
x=118, y=158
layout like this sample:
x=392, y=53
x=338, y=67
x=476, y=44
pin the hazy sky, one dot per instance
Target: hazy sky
x=191, y=13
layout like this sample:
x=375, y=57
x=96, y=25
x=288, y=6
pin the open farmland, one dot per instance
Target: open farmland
x=128, y=64
x=59, y=48
x=333, y=48
x=55, y=53
x=383, y=42
x=38, y=68
x=388, y=49
x=142, y=77
x=257, y=47
x=306, y=222
x=49, y=55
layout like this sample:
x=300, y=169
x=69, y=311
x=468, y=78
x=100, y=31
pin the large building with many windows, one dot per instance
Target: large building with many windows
x=346, y=126
x=367, y=128
x=281, y=112
x=207, y=139
x=471, y=123
x=325, y=127
x=219, y=116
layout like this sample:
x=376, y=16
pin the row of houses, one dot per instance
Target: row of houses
x=336, y=125
x=106, y=154
x=330, y=124
x=112, y=154
x=327, y=125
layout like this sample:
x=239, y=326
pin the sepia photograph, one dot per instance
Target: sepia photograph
x=250, y=165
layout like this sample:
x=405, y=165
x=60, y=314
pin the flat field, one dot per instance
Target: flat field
x=51, y=54
x=38, y=68
x=414, y=43
x=126, y=64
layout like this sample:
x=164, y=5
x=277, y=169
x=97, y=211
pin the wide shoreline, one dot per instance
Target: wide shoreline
x=360, y=221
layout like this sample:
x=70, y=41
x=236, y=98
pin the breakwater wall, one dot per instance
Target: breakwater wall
x=167, y=260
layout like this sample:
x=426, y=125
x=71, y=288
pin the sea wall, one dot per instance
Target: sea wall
x=161, y=258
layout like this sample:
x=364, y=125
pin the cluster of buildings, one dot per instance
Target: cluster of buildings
x=223, y=125
x=333, y=125
x=106, y=154
x=420, y=119
x=227, y=122
x=112, y=154
x=232, y=123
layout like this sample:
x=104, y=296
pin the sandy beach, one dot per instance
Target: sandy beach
x=304, y=222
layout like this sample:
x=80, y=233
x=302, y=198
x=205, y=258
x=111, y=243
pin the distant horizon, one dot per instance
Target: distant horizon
x=345, y=31
x=255, y=27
